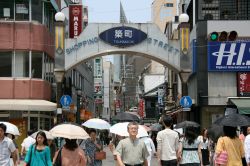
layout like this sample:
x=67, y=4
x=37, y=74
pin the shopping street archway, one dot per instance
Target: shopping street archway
x=141, y=39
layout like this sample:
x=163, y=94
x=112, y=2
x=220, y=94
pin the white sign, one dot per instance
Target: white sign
x=6, y=12
x=21, y=9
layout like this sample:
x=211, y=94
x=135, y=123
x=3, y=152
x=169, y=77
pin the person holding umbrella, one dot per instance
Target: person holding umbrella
x=93, y=145
x=7, y=148
x=232, y=145
x=39, y=153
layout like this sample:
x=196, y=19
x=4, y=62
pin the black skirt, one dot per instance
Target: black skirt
x=205, y=156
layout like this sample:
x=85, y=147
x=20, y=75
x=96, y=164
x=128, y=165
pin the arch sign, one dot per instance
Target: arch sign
x=100, y=39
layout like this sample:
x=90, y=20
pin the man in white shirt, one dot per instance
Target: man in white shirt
x=167, y=143
x=7, y=148
x=27, y=142
x=247, y=147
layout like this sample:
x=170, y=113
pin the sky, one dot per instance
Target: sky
x=108, y=11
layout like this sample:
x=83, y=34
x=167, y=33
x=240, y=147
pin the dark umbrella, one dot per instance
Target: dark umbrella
x=185, y=124
x=233, y=120
x=214, y=132
x=125, y=117
x=156, y=127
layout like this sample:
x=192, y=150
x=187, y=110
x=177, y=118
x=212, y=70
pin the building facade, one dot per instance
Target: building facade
x=215, y=79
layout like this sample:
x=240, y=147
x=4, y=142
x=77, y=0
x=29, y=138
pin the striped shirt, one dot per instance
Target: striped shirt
x=7, y=147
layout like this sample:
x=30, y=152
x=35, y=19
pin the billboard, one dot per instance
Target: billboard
x=229, y=56
x=243, y=84
x=75, y=20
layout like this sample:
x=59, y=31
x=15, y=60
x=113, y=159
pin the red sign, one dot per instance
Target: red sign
x=117, y=104
x=141, y=108
x=75, y=20
x=243, y=80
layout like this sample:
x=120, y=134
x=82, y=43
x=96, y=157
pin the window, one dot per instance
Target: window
x=36, y=71
x=49, y=14
x=7, y=9
x=22, y=10
x=37, y=10
x=48, y=69
x=5, y=64
x=169, y=5
x=21, y=64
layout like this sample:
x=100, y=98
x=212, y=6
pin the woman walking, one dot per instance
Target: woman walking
x=39, y=153
x=93, y=145
x=232, y=145
x=70, y=154
x=189, y=153
x=205, y=151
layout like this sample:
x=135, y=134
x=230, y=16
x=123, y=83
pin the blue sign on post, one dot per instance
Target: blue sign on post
x=65, y=101
x=186, y=102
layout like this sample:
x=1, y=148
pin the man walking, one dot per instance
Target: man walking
x=131, y=151
x=27, y=142
x=7, y=148
x=167, y=144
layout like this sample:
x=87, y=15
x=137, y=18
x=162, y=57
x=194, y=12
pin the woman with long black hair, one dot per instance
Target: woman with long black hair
x=189, y=153
x=39, y=153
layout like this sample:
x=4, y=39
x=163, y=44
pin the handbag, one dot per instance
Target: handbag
x=100, y=155
x=222, y=158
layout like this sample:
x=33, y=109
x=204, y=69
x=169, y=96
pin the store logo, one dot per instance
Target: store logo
x=223, y=53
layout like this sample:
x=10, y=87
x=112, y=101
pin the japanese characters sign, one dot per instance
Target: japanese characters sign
x=75, y=20
x=123, y=36
x=243, y=80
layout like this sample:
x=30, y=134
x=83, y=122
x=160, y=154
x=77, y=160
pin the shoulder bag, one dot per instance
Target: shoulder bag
x=222, y=158
x=100, y=155
x=58, y=161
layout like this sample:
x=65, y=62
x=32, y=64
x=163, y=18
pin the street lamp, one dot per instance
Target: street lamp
x=78, y=105
x=59, y=58
x=123, y=92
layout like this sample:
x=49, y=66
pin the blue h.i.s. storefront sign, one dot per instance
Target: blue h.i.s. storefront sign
x=229, y=56
x=123, y=36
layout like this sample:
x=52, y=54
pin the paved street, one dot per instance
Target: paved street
x=110, y=160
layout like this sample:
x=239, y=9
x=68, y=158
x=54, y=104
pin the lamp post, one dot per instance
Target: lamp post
x=59, y=59
x=123, y=92
x=185, y=59
x=78, y=105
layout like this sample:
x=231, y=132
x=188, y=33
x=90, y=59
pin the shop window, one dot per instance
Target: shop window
x=36, y=65
x=22, y=10
x=7, y=10
x=5, y=64
x=37, y=10
x=21, y=64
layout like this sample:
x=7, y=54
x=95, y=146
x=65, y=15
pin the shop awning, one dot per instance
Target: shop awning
x=243, y=105
x=27, y=105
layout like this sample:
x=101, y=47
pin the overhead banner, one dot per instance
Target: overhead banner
x=75, y=20
x=229, y=56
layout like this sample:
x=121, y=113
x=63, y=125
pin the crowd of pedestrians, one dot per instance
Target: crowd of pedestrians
x=168, y=146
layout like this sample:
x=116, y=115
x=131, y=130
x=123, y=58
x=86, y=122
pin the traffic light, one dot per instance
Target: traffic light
x=223, y=36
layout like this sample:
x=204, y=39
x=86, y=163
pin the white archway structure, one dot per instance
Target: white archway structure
x=88, y=45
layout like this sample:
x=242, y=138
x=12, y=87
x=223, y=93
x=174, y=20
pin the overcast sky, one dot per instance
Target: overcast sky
x=108, y=11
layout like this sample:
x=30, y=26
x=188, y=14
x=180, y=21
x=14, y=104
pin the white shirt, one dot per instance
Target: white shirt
x=6, y=148
x=167, y=144
x=247, y=148
x=204, y=145
x=27, y=142
x=149, y=144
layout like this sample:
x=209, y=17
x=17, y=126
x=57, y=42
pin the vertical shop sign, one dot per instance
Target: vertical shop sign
x=75, y=20
x=243, y=80
x=141, y=108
